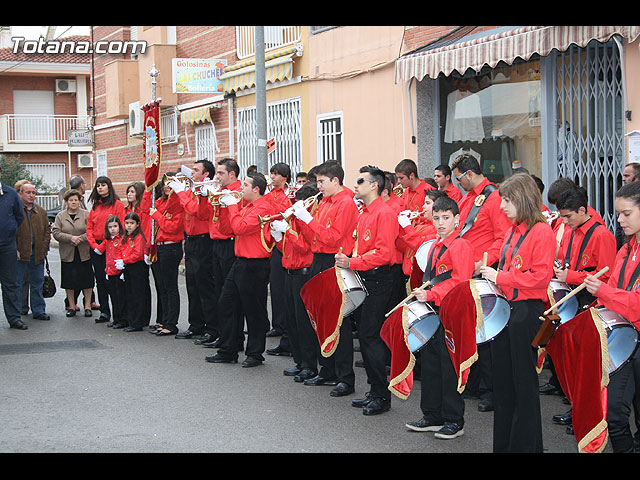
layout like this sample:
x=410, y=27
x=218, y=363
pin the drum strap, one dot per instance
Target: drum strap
x=473, y=213
x=634, y=275
x=583, y=246
x=430, y=271
x=513, y=253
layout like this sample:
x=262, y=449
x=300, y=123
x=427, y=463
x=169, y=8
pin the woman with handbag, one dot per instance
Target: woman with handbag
x=70, y=230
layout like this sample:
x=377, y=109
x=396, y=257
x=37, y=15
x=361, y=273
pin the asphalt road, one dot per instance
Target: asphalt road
x=71, y=385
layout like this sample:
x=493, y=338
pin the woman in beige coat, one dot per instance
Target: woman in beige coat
x=70, y=230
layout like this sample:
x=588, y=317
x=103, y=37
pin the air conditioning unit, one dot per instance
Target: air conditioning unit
x=85, y=160
x=135, y=119
x=64, y=85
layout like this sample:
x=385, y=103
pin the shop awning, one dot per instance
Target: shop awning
x=196, y=115
x=278, y=66
x=505, y=46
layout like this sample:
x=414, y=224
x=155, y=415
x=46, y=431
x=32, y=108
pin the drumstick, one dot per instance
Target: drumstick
x=484, y=260
x=409, y=297
x=573, y=292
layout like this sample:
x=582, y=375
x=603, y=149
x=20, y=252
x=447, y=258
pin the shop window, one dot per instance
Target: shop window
x=496, y=117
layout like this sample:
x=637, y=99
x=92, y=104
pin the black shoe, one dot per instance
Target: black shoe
x=217, y=358
x=185, y=334
x=449, y=430
x=569, y=430
x=376, y=406
x=563, y=419
x=19, y=324
x=204, y=338
x=548, y=389
x=117, y=326
x=485, y=406
x=251, y=362
x=103, y=318
x=213, y=344
x=291, y=372
x=424, y=425
x=341, y=390
x=278, y=351
x=318, y=380
x=274, y=333
x=305, y=374
x=132, y=329
x=88, y=312
x=359, y=363
x=71, y=312
x=42, y=316
x=361, y=402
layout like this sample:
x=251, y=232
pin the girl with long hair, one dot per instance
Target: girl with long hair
x=136, y=272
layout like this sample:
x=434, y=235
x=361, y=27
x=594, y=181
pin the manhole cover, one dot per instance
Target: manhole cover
x=44, y=347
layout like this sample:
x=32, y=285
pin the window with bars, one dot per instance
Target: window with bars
x=283, y=127
x=206, y=142
x=329, y=129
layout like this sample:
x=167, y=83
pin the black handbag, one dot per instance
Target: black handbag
x=49, y=286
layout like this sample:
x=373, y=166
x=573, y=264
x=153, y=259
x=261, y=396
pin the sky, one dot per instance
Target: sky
x=33, y=33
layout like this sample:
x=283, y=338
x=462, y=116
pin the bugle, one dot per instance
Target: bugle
x=307, y=203
x=178, y=177
x=398, y=190
x=215, y=196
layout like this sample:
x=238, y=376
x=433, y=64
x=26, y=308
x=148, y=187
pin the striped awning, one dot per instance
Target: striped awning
x=505, y=46
x=196, y=115
x=278, y=66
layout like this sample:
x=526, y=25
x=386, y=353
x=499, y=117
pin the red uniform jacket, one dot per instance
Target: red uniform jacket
x=333, y=224
x=613, y=294
x=219, y=229
x=527, y=274
x=169, y=218
x=251, y=239
x=98, y=217
x=600, y=252
x=145, y=219
x=190, y=202
x=414, y=198
x=454, y=192
x=134, y=249
x=112, y=249
x=487, y=232
x=411, y=238
x=296, y=250
x=457, y=258
x=376, y=234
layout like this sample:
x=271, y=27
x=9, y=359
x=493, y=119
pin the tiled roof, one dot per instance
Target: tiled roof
x=8, y=55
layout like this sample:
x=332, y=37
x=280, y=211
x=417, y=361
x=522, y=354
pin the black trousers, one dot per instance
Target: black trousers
x=279, y=320
x=517, y=423
x=247, y=281
x=439, y=397
x=169, y=258
x=338, y=366
x=223, y=258
x=623, y=386
x=99, y=263
x=303, y=340
x=136, y=282
x=117, y=293
x=379, y=284
x=201, y=293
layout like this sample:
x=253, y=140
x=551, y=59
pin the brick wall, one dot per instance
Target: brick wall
x=418, y=36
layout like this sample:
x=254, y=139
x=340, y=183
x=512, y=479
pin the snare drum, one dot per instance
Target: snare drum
x=422, y=254
x=495, y=310
x=423, y=323
x=569, y=308
x=622, y=338
x=354, y=290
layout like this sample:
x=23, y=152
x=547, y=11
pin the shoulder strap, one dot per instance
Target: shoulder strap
x=477, y=204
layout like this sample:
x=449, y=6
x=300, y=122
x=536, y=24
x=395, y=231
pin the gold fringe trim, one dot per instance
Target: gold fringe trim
x=412, y=360
x=464, y=366
x=552, y=300
x=541, y=351
x=476, y=298
x=604, y=347
x=336, y=334
x=592, y=435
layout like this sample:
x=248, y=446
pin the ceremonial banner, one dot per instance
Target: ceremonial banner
x=580, y=355
x=460, y=314
x=325, y=300
x=394, y=333
x=152, y=144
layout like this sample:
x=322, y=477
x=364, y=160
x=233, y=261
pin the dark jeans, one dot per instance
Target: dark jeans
x=11, y=288
x=169, y=258
x=247, y=281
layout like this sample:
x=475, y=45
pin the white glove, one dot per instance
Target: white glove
x=280, y=226
x=277, y=236
x=204, y=190
x=122, y=277
x=146, y=259
x=119, y=264
x=302, y=213
x=177, y=186
x=228, y=199
x=97, y=251
x=404, y=221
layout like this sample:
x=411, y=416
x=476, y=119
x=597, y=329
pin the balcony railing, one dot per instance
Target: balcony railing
x=274, y=37
x=41, y=128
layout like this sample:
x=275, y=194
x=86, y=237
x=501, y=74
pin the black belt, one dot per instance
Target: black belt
x=222, y=239
x=299, y=271
x=201, y=235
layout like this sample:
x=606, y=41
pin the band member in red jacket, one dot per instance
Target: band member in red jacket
x=414, y=187
x=620, y=294
x=104, y=203
x=442, y=176
x=524, y=271
x=135, y=251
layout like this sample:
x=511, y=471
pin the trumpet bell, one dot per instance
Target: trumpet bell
x=214, y=197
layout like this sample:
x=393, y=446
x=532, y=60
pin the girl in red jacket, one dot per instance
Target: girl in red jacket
x=104, y=203
x=136, y=272
x=111, y=250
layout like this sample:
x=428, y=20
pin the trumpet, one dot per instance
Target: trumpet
x=398, y=190
x=178, y=177
x=307, y=203
x=413, y=214
x=196, y=187
x=214, y=197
